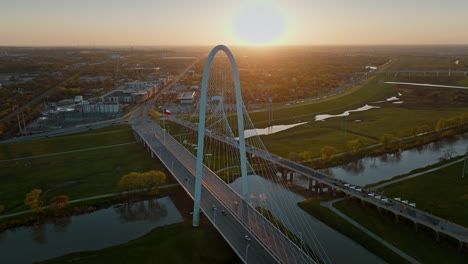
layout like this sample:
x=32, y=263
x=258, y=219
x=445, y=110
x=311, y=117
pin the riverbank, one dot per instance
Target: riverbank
x=442, y=191
x=81, y=206
x=312, y=206
x=177, y=243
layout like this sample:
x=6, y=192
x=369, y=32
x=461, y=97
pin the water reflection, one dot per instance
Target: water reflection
x=61, y=224
x=99, y=229
x=370, y=170
x=39, y=233
x=141, y=211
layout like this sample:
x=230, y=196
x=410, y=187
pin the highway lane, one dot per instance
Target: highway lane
x=274, y=239
x=228, y=225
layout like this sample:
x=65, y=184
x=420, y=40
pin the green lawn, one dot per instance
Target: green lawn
x=94, y=138
x=442, y=192
x=353, y=98
x=313, y=207
x=178, y=243
x=78, y=175
x=309, y=137
x=420, y=245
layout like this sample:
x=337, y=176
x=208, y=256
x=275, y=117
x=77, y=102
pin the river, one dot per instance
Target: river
x=374, y=169
x=99, y=229
x=282, y=203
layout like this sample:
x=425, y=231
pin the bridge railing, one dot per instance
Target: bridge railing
x=273, y=239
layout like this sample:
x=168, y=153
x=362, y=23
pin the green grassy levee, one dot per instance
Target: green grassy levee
x=313, y=207
x=420, y=245
x=442, y=192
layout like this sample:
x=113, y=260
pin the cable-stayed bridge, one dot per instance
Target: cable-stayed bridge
x=232, y=178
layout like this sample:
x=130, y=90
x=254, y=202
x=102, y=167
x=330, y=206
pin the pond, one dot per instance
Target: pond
x=99, y=229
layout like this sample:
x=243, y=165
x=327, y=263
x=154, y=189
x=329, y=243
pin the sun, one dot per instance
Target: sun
x=258, y=24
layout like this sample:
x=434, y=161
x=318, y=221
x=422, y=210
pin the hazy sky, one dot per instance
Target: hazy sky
x=232, y=22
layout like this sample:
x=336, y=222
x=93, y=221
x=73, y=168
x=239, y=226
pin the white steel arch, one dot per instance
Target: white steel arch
x=201, y=129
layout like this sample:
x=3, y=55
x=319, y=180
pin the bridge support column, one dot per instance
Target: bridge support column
x=396, y=218
x=152, y=154
x=291, y=177
x=460, y=246
x=363, y=203
x=310, y=184
x=416, y=227
x=437, y=236
x=334, y=192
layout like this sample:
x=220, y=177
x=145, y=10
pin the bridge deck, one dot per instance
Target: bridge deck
x=268, y=244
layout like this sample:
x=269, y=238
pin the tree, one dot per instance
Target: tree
x=293, y=156
x=154, y=179
x=305, y=155
x=129, y=181
x=327, y=152
x=138, y=181
x=355, y=144
x=33, y=200
x=441, y=124
x=386, y=140
x=59, y=202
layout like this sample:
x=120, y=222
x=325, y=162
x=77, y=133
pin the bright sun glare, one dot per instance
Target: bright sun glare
x=259, y=25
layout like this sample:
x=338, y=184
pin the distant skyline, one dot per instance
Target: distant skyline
x=255, y=22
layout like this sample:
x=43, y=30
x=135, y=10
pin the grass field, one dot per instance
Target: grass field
x=308, y=137
x=396, y=119
x=356, y=96
x=313, y=207
x=427, y=190
x=420, y=245
x=78, y=175
x=338, y=131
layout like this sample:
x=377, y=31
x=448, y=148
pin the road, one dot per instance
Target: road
x=229, y=226
x=182, y=165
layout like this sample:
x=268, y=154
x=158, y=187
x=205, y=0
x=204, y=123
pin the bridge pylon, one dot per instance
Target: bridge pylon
x=201, y=128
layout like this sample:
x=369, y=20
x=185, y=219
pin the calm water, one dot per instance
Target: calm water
x=371, y=170
x=346, y=113
x=339, y=248
x=99, y=229
x=269, y=130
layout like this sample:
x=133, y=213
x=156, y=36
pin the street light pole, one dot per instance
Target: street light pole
x=247, y=252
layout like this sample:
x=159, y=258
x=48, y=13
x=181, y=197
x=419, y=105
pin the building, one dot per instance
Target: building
x=98, y=107
x=133, y=92
x=187, y=98
x=78, y=99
